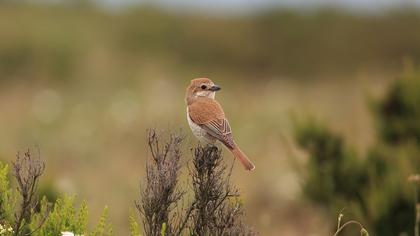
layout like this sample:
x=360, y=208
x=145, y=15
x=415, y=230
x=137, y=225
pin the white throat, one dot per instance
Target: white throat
x=207, y=94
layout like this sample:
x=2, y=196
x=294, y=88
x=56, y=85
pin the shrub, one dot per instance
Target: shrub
x=374, y=187
x=215, y=208
x=22, y=213
x=160, y=194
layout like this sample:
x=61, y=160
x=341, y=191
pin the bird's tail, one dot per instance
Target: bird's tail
x=237, y=153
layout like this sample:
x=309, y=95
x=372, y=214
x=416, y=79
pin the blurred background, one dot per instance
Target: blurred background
x=324, y=96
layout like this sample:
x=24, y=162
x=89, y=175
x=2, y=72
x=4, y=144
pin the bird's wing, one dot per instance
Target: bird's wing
x=204, y=110
x=209, y=115
x=220, y=129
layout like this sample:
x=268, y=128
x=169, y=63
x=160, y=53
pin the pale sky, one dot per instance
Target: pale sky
x=249, y=5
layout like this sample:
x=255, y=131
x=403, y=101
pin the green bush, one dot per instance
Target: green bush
x=66, y=218
x=22, y=214
x=374, y=188
x=399, y=113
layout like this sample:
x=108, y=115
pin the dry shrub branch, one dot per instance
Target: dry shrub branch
x=215, y=207
x=27, y=170
x=160, y=195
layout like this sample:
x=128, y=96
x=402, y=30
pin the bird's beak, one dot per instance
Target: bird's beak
x=215, y=88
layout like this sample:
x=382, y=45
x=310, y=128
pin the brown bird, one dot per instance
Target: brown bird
x=207, y=119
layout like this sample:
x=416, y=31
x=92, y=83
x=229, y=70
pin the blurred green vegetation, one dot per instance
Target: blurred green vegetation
x=375, y=188
x=53, y=41
x=398, y=115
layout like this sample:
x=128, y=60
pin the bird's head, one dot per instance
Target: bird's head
x=202, y=87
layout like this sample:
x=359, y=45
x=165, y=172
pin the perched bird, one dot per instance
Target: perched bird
x=207, y=119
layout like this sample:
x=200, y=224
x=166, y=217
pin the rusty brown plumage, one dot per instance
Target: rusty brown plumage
x=207, y=119
x=204, y=110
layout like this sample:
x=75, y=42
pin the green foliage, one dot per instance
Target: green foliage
x=334, y=172
x=7, y=200
x=82, y=216
x=64, y=216
x=373, y=188
x=364, y=232
x=163, y=230
x=49, y=191
x=134, y=226
x=398, y=114
x=102, y=228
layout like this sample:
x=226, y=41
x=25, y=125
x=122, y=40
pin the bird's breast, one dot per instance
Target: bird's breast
x=199, y=133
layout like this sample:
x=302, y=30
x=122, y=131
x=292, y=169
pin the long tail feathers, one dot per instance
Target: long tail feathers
x=237, y=153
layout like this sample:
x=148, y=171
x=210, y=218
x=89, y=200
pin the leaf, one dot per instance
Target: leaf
x=162, y=232
x=364, y=232
x=134, y=226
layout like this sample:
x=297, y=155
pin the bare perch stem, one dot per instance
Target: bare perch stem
x=417, y=209
x=415, y=179
x=346, y=224
x=27, y=170
x=160, y=193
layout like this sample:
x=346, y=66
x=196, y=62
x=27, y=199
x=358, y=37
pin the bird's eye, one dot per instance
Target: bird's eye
x=203, y=87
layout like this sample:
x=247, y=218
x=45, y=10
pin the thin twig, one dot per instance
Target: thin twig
x=417, y=210
x=348, y=223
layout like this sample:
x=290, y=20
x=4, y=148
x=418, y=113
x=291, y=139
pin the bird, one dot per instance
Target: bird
x=207, y=119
